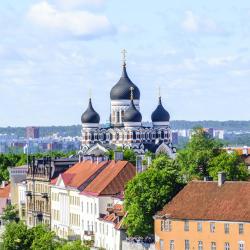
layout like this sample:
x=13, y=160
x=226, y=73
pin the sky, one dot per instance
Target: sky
x=52, y=52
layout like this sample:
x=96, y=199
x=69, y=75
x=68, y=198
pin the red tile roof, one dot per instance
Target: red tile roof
x=5, y=192
x=207, y=201
x=81, y=173
x=112, y=179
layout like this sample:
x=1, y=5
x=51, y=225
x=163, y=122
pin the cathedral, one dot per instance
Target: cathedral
x=125, y=128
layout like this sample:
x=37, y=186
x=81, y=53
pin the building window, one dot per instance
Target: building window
x=241, y=228
x=226, y=228
x=212, y=227
x=162, y=245
x=226, y=246
x=166, y=225
x=200, y=245
x=199, y=226
x=187, y=245
x=241, y=245
x=186, y=225
x=171, y=245
x=213, y=245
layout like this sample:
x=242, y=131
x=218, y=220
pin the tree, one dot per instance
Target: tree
x=231, y=164
x=148, y=192
x=195, y=157
x=44, y=239
x=204, y=156
x=75, y=245
x=17, y=237
x=10, y=213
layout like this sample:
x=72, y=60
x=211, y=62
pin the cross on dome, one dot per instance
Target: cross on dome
x=124, y=52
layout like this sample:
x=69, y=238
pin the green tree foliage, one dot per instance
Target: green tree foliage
x=231, y=164
x=204, y=156
x=128, y=154
x=17, y=236
x=10, y=213
x=148, y=192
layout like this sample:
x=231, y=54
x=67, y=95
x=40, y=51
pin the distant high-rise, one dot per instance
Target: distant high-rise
x=32, y=132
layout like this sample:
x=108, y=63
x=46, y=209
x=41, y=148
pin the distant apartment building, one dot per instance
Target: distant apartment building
x=206, y=215
x=85, y=191
x=175, y=137
x=40, y=173
x=32, y=132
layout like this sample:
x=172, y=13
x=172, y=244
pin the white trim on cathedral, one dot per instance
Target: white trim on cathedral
x=132, y=124
x=160, y=123
x=90, y=125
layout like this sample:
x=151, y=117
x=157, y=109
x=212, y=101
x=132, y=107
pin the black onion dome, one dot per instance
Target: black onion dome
x=90, y=115
x=121, y=91
x=160, y=114
x=132, y=114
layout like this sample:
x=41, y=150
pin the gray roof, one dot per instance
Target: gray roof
x=121, y=91
x=132, y=114
x=160, y=114
x=90, y=115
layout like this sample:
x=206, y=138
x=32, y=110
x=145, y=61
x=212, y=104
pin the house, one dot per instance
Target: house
x=110, y=232
x=206, y=215
x=82, y=194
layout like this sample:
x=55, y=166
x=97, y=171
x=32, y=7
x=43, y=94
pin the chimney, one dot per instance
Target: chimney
x=118, y=156
x=3, y=184
x=221, y=178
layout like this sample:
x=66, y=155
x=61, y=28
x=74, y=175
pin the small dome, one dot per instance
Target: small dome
x=160, y=114
x=132, y=114
x=121, y=91
x=90, y=115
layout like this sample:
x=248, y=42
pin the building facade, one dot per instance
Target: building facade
x=38, y=201
x=125, y=128
x=85, y=191
x=206, y=215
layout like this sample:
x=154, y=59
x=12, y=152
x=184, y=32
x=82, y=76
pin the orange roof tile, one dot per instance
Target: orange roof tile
x=207, y=201
x=112, y=179
x=81, y=173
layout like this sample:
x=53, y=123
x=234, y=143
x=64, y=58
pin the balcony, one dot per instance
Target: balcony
x=28, y=193
x=45, y=195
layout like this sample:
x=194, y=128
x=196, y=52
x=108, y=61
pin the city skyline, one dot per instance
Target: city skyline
x=51, y=56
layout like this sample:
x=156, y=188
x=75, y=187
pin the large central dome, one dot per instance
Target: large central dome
x=121, y=91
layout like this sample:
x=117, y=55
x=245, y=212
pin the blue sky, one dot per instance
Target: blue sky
x=53, y=51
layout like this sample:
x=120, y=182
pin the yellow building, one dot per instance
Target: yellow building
x=206, y=215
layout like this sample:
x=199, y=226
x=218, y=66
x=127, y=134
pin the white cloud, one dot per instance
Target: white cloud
x=75, y=22
x=194, y=24
x=76, y=3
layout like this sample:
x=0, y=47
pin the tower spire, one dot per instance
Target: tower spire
x=124, y=52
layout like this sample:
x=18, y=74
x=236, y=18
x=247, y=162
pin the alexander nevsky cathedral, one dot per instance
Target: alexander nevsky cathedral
x=125, y=128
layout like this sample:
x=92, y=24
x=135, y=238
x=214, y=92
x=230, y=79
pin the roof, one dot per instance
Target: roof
x=112, y=179
x=121, y=91
x=160, y=114
x=115, y=216
x=80, y=173
x=200, y=200
x=132, y=114
x=5, y=192
x=90, y=115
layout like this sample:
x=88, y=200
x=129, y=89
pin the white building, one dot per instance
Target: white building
x=21, y=187
x=82, y=194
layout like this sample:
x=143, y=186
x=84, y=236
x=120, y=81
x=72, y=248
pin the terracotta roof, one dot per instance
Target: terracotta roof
x=201, y=200
x=81, y=173
x=5, y=192
x=112, y=179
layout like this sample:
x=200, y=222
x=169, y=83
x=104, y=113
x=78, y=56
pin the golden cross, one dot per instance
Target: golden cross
x=132, y=94
x=90, y=93
x=124, y=52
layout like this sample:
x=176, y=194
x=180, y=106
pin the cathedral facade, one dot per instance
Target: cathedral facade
x=126, y=129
